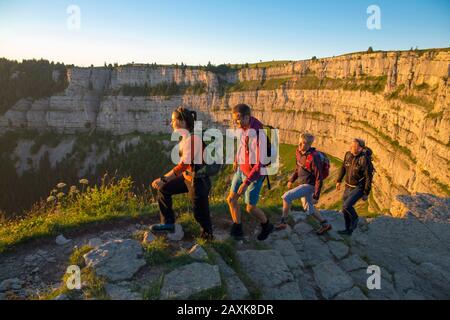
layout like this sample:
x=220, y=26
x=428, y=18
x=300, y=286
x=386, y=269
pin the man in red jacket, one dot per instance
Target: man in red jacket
x=309, y=173
x=247, y=179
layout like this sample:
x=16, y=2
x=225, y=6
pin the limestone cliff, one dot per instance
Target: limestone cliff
x=397, y=101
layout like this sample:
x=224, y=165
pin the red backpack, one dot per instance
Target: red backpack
x=324, y=163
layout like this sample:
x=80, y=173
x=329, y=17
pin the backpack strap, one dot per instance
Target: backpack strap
x=309, y=160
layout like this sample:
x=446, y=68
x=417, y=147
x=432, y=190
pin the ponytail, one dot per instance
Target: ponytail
x=188, y=116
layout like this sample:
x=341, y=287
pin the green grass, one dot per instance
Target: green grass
x=412, y=99
x=153, y=292
x=190, y=226
x=95, y=285
x=110, y=202
x=77, y=256
x=93, y=288
x=181, y=258
x=420, y=101
x=435, y=115
x=157, y=252
x=269, y=64
x=312, y=82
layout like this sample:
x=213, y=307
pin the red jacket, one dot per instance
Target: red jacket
x=250, y=167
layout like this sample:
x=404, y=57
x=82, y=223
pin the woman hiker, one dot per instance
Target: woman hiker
x=181, y=179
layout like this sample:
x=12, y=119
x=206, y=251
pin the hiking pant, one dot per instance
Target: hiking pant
x=305, y=192
x=351, y=196
x=198, y=191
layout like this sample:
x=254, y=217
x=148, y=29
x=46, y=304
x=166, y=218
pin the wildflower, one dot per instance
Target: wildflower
x=73, y=189
x=60, y=195
x=60, y=185
x=84, y=181
x=51, y=199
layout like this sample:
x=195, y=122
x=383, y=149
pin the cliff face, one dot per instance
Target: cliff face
x=397, y=101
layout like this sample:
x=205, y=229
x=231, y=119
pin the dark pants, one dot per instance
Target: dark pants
x=351, y=196
x=198, y=191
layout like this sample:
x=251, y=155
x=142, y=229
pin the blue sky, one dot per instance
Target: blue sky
x=230, y=31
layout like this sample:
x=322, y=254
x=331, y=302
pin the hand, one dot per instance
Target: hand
x=338, y=186
x=242, y=189
x=157, y=183
x=365, y=197
x=235, y=197
x=289, y=185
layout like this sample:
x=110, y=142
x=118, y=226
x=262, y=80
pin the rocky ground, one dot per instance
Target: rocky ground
x=411, y=249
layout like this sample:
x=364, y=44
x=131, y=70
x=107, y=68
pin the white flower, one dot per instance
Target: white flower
x=73, y=189
x=60, y=195
x=84, y=181
x=60, y=185
x=51, y=199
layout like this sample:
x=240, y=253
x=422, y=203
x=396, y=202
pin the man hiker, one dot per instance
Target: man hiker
x=247, y=179
x=358, y=171
x=309, y=172
x=181, y=179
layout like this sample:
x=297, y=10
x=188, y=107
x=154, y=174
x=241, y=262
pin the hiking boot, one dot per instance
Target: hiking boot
x=236, y=231
x=345, y=232
x=355, y=224
x=208, y=236
x=282, y=224
x=266, y=229
x=163, y=227
x=324, y=227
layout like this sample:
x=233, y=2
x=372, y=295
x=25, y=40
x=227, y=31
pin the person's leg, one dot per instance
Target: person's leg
x=353, y=197
x=286, y=208
x=352, y=218
x=251, y=200
x=165, y=193
x=232, y=204
x=308, y=205
x=347, y=216
x=257, y=213
x=299, y=192
x=236, y=229
x=199, y=193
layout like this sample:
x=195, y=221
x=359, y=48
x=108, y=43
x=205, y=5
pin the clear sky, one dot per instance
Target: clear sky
x=225, y=31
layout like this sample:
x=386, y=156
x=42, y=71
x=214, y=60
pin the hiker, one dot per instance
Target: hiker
x=181, y=179
x=247, y=179
x=358, y=171
x=309, y=172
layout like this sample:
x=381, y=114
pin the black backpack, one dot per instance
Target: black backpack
x=207, y=170
x=368, y=155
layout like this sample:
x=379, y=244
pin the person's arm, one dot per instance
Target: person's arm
x=317, y=169
x=342, y=171
x=294, y=176
x=186, y=160
x=255, y=173
x=368, y=174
